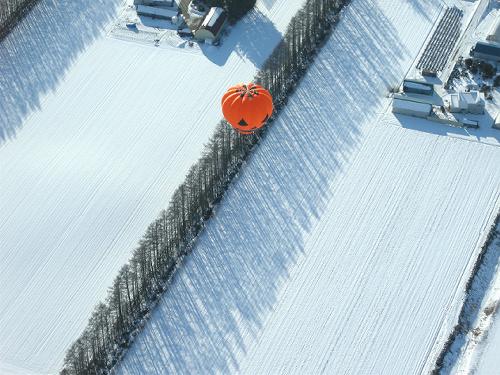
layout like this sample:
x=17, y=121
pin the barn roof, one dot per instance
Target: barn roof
x=487, y=49
x=410, y=105
x=155, y=11
x=214, y=20
x=424, y=86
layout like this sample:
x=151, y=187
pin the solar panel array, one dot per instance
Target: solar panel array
x=437, y=52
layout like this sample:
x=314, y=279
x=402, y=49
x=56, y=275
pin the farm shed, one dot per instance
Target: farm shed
x=212, y=25
x=161, y=3
x=486, y=51
x=154, y=12
x=417, y=87
x=407, y=107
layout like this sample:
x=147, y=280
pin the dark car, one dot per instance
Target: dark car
x=185, y=33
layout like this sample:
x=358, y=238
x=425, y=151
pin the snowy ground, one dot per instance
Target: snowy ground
x=489, y=362
x=346, y=242
x=95, y=133
x=476, y=350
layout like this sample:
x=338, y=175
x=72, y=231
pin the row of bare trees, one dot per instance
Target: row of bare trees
x=139, y=284
x=465, y=323
x=11, y=11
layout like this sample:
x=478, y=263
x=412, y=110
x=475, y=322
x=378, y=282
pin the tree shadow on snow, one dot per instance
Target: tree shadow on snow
x=422, y=6
x=219, y=300
x=253, y=37
x=36, y=55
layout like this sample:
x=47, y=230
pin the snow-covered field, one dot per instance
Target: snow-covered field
x=95, y=134
x=489, y=362
x=476, y=349
x=345, y=244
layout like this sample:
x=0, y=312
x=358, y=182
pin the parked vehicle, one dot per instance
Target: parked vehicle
x=185, y=33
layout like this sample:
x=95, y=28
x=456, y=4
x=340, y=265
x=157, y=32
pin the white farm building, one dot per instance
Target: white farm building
x=466, y=102
x=156, y=12
x=407, y=107
x=212, y=25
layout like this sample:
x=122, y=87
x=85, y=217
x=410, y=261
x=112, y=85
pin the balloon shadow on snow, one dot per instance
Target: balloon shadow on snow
x=228, y=286
x=36, y=55
x=253, y=37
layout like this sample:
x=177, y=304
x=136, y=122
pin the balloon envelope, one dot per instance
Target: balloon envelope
x=247, y=107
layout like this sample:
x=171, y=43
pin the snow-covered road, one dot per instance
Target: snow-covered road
x=95, y=134
x=345, y=244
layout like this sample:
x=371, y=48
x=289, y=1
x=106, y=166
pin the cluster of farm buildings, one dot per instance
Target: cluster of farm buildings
x=197, y=21
x=418, y=96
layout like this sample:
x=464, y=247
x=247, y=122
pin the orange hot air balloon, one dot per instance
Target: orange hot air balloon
x=247, y=107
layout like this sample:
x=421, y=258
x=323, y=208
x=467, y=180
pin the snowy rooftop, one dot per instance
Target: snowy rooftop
x=215, y=14
x=154, y=11
x=417, y=85
x=487, y=48
x=471, y=97
x=463, y=99
x=409, y=105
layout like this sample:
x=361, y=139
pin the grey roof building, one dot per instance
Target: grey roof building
x=487, y=51
x=411, y=108
x=417, y=87
x=212, y=25
x=156, y=12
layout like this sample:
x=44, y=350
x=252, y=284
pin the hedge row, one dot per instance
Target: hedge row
x=11, y=12
x=463, y=326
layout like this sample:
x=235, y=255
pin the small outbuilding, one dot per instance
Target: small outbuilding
x=407, y=107
x=466, y=102
x=211, y=28
x=161, y=3
x=155, y=12
x=417, y=87
x=470, y=123
x=494, y=33
x=486, y=51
